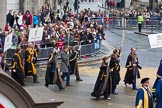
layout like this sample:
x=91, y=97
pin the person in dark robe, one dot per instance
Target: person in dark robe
x=30, y=68
x=115, y=69
x=144, y=98
x=132, y=66
x=103, y=83
x=17, y=69
x=35, y=55
x=52, y=74
x=158, y=94
x=74, y=64
x=10, y=18
x=158, y=75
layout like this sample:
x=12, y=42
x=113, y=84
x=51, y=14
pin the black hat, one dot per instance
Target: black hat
x=144, y=80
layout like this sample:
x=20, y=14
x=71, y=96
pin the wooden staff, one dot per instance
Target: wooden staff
x=122, y=40
x=5, y=63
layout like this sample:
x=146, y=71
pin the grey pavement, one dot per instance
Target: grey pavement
x=147, y=57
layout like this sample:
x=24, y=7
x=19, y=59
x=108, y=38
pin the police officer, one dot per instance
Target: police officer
x=140, y=21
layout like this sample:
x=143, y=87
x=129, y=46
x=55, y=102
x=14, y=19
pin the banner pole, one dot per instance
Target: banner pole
x=122, y=40
x=5, y=63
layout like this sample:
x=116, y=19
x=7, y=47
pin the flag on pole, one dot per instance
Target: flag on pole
x=155, y=40
x=35, y=34
x=8, y=42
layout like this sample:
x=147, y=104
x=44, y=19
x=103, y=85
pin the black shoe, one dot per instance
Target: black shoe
x=61, y=89
x=23, y=85
x=125, y=84
x=135, y=88
x=97, y=98
x=46, y=85
x=36, y=81
x=114, y=93
x=69, y=85
x=79, y=80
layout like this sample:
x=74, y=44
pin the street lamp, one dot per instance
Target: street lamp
x=151, y=5
x=77, y=8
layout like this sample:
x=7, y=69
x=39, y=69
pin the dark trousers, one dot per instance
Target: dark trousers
x=113, y=88
x=18, y=76
x=139, y=27
x=135, y=78
x=67, y=75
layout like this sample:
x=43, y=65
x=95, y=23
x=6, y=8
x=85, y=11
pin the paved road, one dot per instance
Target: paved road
x=148, y=57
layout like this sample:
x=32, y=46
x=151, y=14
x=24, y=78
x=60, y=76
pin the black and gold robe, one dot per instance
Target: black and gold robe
x=17, y=69
x=29, y=64
x=74, y=64
x=35, y=55
x=115, y=66
x=103, y=83
x=129, y=76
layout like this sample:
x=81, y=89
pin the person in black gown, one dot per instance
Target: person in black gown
x=74, y=64
x=133, y=67
x=52, y=74
x=103, y=83
x=115, y=69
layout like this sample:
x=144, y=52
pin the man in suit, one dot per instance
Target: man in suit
x=144, y=96
x=64, y=66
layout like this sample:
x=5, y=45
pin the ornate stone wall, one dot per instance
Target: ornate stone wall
x=3, y=9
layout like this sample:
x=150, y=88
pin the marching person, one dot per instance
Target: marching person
x=103, y=83
x=52, y=74
x=158, y=94
x=17, y=69
x=132, y=66
x=115, y=69
x=144, y=96
x=74, y=64
x=65, y=65
x=30, y=68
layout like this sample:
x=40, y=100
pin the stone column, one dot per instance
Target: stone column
x=3, y=8
x=33, y=5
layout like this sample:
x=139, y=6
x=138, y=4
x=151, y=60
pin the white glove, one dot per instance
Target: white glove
x=14, y=70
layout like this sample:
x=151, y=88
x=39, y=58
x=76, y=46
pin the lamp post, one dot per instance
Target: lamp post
x=151, y=5
x=77, y=8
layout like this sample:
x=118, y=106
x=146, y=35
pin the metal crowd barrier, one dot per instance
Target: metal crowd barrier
x=117, y=22
x=87, y=49
x=129, y=22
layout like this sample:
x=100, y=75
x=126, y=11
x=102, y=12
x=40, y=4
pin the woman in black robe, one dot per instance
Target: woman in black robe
x=17, y=68
x=52, y=74
x=74, y=63
x=103, y=83
x=115, y=69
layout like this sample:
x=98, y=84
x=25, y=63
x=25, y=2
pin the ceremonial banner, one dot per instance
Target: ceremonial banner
x=35, y=34
x=155, y=40
x=8, y=42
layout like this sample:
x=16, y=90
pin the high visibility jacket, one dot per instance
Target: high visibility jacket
x=140, y=19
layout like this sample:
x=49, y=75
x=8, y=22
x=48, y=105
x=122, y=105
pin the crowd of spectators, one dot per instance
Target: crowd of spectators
x=61, y=27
